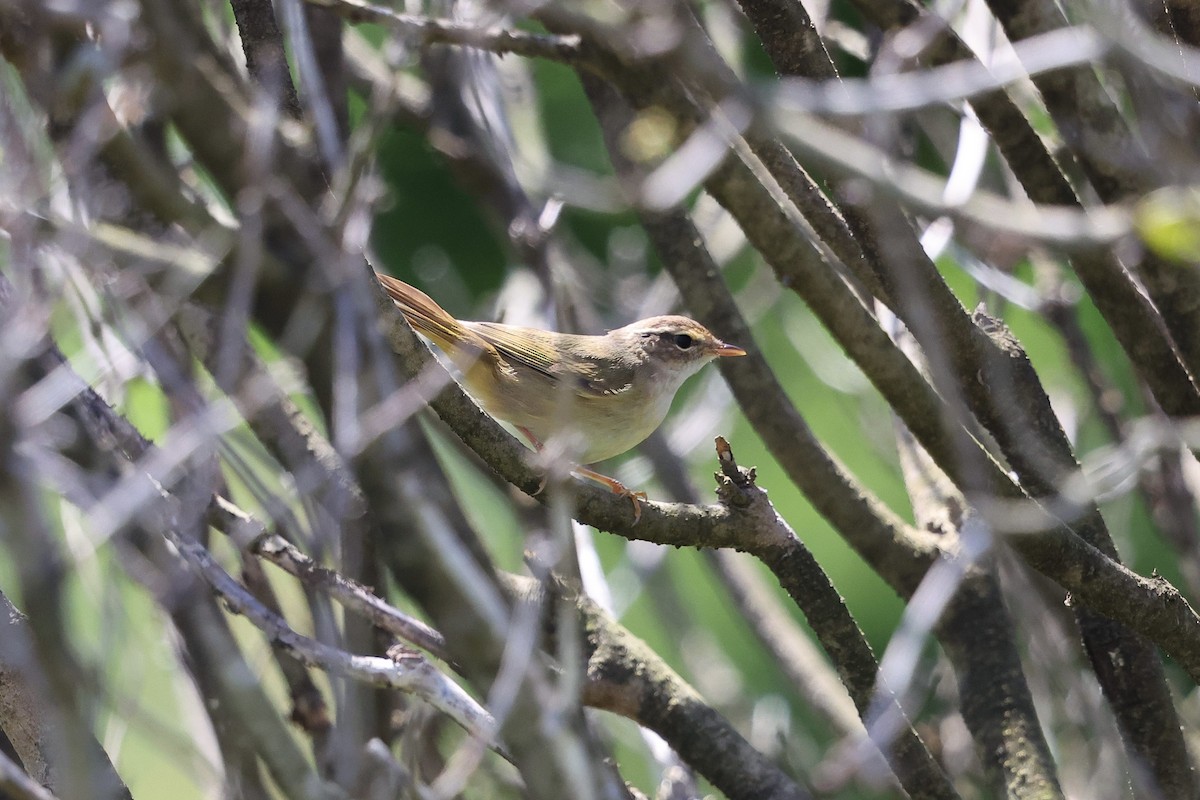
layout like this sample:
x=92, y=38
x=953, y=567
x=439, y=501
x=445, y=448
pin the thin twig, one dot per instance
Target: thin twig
x=250, y=534
x=407, y=672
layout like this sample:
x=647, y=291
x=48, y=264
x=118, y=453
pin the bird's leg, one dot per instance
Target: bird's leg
x=617, y=488
x=537, y=446
x=613, y=484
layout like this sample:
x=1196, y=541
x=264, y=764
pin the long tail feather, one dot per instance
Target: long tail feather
x=429, y=318
x=419, y=308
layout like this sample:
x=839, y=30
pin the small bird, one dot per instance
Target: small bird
x=608, y=392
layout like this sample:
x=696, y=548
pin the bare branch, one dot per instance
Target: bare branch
x=431, y=30
x=977, y=634
x=408, y=672
x=626, y=677
x=251, y=535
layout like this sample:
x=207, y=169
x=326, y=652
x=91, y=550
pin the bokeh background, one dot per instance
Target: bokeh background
x=434, y=229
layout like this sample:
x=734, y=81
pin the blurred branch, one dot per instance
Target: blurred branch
x=315, y=35
x=1061, y=227
x=18, y=785
x=948, y=78
x=423, y=31
x=27, y=720
x=1090, y=121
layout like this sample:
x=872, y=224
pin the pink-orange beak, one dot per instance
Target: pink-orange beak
x=723, y=349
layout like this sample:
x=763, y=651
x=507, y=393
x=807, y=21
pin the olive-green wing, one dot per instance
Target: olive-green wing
x=526, y=347
x=556, y=357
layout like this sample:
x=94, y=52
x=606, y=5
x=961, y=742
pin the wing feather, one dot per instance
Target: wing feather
x=520, y=346
x=558, y=356
x=553, y=356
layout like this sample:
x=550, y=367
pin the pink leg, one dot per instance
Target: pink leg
x=613, y=484
x=617, y=488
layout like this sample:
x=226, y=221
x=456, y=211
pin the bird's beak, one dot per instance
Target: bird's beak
x=723, y=349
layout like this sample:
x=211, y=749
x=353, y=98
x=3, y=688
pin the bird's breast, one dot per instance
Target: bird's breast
x=595, y=426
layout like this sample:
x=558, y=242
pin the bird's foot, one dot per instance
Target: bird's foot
x=616, y=487
x=613, y=484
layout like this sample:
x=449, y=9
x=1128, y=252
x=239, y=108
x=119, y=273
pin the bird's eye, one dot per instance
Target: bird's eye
x=683, y=341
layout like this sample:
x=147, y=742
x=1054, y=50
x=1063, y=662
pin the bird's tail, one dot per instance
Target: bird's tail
x=427, y=317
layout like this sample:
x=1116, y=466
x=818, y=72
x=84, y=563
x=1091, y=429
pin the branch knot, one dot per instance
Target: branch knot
x=734, y=483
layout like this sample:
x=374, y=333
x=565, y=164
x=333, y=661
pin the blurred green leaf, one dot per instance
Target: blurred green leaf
x=1168, y=221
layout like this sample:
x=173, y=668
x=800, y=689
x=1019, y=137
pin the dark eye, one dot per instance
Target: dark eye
x=683, y=341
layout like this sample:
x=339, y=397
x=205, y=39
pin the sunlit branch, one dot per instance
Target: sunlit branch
x=1062, y=227
x=250, y=534
x=410, y=672
x=960, y=80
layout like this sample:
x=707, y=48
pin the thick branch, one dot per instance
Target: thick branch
x=628, y=678
x=978, y=636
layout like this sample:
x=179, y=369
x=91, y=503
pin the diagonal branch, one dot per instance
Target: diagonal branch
x=433, y=30
x=626, y=677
